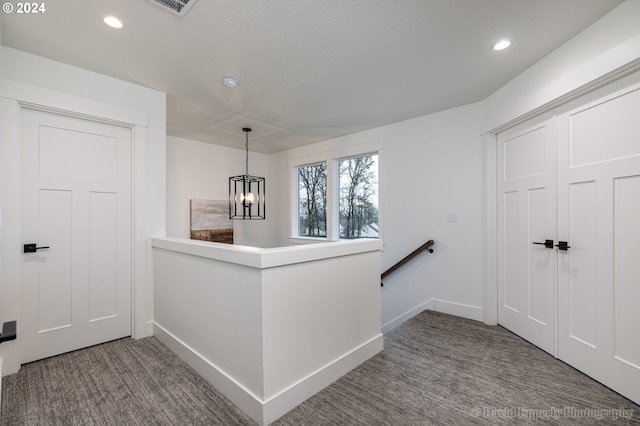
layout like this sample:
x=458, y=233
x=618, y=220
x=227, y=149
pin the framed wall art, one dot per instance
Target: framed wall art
x=210, y=221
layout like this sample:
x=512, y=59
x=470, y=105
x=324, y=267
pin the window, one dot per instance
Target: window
x=312, y=200
x=359, y=197
x=335, y=193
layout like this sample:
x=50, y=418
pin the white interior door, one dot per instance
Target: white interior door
x=599, y=218
x=76, y=200
x=526, y=214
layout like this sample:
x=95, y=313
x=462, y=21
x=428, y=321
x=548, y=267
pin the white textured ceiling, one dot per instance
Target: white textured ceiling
x=308, y=70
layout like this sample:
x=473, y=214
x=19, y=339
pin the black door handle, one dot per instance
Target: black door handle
x=546, y=244
x=563, y=245
x=31, y=248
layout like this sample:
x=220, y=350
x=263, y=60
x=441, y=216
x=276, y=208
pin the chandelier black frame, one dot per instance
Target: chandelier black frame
x=246, y=192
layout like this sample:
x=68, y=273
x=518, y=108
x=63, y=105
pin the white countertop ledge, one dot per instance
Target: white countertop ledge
x=263, y=258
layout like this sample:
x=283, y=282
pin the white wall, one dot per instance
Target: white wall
x=59, y=83
x=430, y=165
x=198, y=170
x=611, y=43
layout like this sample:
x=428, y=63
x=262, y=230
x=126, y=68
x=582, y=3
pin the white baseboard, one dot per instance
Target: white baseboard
x=249, y=403
x=265, y=412
x=451, y=308
x=278, y=405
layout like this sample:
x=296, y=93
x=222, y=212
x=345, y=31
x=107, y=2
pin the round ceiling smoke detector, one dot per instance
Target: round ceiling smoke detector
x=230, y=82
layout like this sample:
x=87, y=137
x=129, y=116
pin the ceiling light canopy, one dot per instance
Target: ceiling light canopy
x=501, y=45
x=113, y=22
x=229, y=82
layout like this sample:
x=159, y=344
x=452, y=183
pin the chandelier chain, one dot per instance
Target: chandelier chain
x=247, y=153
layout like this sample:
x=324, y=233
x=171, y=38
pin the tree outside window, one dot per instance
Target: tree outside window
x=359, y=197
x=312, y=200
x=356, y=203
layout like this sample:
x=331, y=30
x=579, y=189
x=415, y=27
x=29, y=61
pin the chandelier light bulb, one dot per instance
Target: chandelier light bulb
x=247, y=198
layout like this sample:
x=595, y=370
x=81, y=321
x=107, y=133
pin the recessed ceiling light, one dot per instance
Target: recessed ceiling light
x=501, y=45
x=113, y=22
x=229, y=82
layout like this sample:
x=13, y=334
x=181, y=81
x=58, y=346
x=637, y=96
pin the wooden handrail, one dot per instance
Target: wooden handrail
x=407, y=258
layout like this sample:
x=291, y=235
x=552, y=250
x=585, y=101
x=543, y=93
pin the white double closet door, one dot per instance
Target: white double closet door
x=571, y=179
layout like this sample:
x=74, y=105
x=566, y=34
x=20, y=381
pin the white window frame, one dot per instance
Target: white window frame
x=331, y=158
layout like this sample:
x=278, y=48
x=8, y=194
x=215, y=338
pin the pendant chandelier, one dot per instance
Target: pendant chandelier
x=246, y=193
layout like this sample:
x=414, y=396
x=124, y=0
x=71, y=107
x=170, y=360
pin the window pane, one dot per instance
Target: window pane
x=312, y=200
x=359, y=197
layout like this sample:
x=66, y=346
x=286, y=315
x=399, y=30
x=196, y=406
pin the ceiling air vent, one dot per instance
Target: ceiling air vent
x=179, y=7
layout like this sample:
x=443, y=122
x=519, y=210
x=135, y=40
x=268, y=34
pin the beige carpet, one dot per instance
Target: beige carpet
x=435, y=370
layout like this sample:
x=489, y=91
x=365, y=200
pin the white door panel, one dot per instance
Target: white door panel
x=76, y=200
x=626, y=270
x=598, y=211
x=526, y=212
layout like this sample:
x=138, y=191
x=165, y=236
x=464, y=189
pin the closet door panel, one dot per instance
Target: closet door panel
x=626, y=271
x=582, y=264
x=538, y=306
x=526, y=215
x=510, y=288
x=598, y=211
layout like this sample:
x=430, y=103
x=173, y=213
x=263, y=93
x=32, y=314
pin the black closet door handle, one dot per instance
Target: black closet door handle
x=31, y=248
x=563, y=245
x=547, y=244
